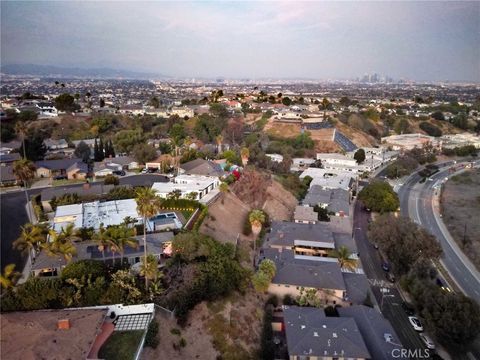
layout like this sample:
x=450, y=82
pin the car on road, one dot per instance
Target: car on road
x=409, y=310
x=385, y=266
x=416, y=324
x=390, y=277
x=427, y=341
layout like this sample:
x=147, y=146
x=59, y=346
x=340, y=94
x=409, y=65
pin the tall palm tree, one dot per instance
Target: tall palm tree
x=120, y=237
x=149, y=268
x=24, y=170
x=61, y=243
x=30, y=239
x=324, y=105
x=344, y=257
x=9, y=276
x=219, y=140
x=21, y=128
x=101, y=240
x=256, y=219
x=245, y=154
x=148, y=205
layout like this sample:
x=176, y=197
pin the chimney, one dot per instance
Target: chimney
x=63, y=324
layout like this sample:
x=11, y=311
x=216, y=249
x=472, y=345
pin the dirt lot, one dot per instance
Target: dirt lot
x=276, y=128
x=229, y=326
x=460, y=206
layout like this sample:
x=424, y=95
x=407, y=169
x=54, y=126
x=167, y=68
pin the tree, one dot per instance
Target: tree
x=154, y=102
x=102, y=103
x=430, y=129
x=344, y=257
x=325, y=105
x=144, y=153
x=256, y=219
x=438, y=115
x=148, y=205
x=30, y=239
x=219, y=140
x=9, y=276
x=96, y=154
x=403, y=242
x=359, y=156
x=322, y=213
x=461, y=121
x=149, y=268
x=245, y=154
x=101, y=150
x=268, y=267
x=61, y=244
x=118, y=238
x=261, y=281
x=101, y=240
x=379, y=197
x=83, y=152
x=286, y=101
x=66, y=102
x=24, y=170
x=125, y=140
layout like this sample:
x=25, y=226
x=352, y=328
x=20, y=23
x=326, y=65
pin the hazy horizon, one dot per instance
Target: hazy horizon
x=423, y=41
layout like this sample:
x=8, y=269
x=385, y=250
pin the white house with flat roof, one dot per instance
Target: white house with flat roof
x=186, y=184
x=330, y=178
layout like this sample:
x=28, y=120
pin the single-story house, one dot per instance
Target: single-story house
x=187, y=184
x=49, y=168
x=336, y=201
x=9, y=159
x=202, y=167
x=52, y=144
x=305, y=215
x=7, y=177
x=78, y=171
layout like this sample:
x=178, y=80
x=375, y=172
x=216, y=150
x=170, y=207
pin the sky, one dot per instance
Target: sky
x=316, y=40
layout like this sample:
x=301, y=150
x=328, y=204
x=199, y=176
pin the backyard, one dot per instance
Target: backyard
x=461, y=211
x=121, y=345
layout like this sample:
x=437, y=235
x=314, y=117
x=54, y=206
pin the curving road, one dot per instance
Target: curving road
x=419, y=201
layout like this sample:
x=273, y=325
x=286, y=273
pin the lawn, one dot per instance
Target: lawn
x=121, y=345
x=187, y=213
x=66, y=182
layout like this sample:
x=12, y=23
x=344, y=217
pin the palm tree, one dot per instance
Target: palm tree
x=256, y=219
x=324, y=105
x=61, y=244
x=118, y=238
x=24, y=170
x=223, y=189
x=148, y=205
x=149, y=268
x=9, y=276
x=219, y=139
x=30, y=239
x=245, y=154
x=21, y=128
x=344, y=258
x=100, y=238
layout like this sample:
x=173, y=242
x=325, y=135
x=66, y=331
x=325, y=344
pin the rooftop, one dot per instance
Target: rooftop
x=34, y=334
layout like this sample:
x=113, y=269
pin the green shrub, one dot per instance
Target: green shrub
x=111, y=180
x=84, y=268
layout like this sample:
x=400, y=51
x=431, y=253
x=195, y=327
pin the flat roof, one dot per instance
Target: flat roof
x=34, y=334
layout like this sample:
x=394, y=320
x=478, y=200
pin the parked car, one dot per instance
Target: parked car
x=385, y=266
x=144, y=171
x=409, y=310
x=427, y=341
x=60, y=177
x=416, y=324
x=390, y=277
x=119, y=172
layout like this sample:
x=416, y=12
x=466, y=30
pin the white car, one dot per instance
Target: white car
x=417, y=325
x=427, y=341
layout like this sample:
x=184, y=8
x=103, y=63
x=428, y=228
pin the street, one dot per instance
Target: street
x=13, y=214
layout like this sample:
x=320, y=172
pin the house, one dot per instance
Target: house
x=182, y=112
x=89, y=142
x=48, y=266
x=50, y=168
x=294, y=275
x=275, y=157
x=309, y=241
x=7, y=177
x=202, y=167
x=409, y=141
x=336, y=201
x=375, y=330
x=77, y=171
x=300, y=164
x=122, y=162
x=330, y=179
x=101, y=169
x=305, y=215
x=52, y=144
x=9, y=159
x=312, y=335
x=47, y=109
x=7, y=148
x=187, y=184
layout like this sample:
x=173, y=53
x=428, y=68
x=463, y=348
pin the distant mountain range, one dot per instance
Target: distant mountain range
x=57, y=71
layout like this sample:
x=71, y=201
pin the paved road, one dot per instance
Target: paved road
x=14, y=215
x=371, y=263
x=416, y=201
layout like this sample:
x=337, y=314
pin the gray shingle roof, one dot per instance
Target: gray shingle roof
x=316, y=274
x=61, y=164
x=337, y=199
x=202, y=167
x=310, y=333
x=373, y=326
x=357, y=287
x=9, y=158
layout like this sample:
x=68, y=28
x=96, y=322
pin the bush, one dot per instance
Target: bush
x=288, y=300
x=121, y=192
x=273, y=299
x=151, y=338
x=84, y=268
x=379, y=197
x=267, y=348
x=111, y=180
x=430, y=129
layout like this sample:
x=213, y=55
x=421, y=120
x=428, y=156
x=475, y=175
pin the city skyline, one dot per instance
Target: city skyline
x=422, y=41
